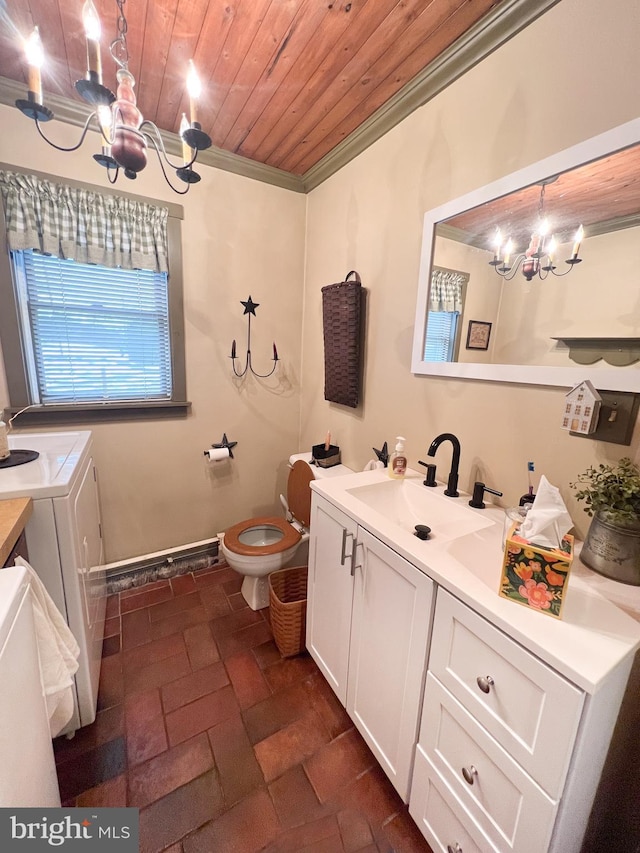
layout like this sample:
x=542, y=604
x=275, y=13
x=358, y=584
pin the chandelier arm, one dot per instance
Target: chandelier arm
x=510, y=274
x=164, y=172
x=160, y=146
x=74, y=147
x=115, y=177
x=560, y=274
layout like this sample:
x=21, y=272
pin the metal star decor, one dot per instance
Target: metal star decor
x=250, y=308
x=383, y=455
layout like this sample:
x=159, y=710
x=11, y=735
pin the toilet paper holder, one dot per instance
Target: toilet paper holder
x=225, y=443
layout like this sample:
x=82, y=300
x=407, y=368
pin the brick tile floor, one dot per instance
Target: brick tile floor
x=221, y=743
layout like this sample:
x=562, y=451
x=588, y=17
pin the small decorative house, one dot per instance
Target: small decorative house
x=582, y=408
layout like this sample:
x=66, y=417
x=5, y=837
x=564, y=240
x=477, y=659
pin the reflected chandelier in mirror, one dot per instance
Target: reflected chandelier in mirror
x=589, y=196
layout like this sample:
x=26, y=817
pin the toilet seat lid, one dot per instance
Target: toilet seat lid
x=299, y=492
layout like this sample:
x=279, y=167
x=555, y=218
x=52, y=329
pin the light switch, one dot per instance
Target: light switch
x=618, y=414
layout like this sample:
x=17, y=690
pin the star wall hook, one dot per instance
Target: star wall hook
x=249, y=309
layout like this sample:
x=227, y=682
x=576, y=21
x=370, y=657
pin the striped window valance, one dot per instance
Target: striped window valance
x=82, y=225
x=445, y=293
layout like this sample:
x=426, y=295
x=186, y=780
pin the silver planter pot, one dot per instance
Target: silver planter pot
x=613, y=550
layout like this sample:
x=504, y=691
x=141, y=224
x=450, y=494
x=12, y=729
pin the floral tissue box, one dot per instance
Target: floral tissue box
x=534, y=576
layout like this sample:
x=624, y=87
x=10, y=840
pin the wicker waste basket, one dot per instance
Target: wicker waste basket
x=288, y=605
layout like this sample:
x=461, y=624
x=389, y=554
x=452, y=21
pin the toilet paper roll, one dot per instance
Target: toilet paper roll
x=217, y=454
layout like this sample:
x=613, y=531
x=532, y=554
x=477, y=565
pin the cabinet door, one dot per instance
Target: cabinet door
x=330, y=592
x=392, y=610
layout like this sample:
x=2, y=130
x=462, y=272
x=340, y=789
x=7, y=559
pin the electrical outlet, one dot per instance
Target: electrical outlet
x=617, y=417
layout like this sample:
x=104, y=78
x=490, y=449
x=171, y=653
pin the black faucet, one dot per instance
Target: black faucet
x=452, y=482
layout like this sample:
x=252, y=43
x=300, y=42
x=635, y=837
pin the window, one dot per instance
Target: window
x=83, y=341
x=93, y=333
x=442, y=327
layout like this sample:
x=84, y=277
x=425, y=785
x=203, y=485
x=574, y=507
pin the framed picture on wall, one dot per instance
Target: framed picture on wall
x=478, y=334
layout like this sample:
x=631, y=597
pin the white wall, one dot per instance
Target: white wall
x=240, y=238
x=569, y=76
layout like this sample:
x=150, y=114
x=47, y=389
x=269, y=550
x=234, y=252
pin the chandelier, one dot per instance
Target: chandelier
x=126, y=135
x=538, y=259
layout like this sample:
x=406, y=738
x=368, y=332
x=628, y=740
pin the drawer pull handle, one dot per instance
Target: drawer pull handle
x=469, y=774
x=454, y=849
x=485, y=683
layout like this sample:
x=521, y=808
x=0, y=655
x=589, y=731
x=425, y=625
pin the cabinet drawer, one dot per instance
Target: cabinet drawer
x=440, y=816
x=504, y=800
x=531, y=710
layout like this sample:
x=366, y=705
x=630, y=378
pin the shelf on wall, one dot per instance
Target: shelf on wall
x=619, y=352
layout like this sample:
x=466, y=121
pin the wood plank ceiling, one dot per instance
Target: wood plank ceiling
x=284, y=81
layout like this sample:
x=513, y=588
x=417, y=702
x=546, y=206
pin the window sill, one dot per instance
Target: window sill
x=98, y=413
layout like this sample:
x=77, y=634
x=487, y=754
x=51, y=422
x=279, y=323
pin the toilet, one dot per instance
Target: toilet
x=258, y=546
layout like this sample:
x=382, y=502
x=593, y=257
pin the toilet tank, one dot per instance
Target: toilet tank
x=319, y=473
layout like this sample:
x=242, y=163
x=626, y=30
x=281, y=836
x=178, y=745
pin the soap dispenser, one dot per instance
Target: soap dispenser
x=397, y=467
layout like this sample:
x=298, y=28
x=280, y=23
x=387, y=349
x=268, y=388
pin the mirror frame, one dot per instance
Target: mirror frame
x=613, y=379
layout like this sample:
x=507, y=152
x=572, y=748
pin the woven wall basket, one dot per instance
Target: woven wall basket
x=342, y=315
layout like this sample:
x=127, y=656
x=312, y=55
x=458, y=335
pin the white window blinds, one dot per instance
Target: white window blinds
x=97, y=333
x=441, y=335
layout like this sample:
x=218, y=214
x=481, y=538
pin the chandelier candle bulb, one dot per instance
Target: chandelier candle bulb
x=194, y=88
x=91, y=23
x=577, y=241
x=35, y=57
x=507, y=252
x=186, y=148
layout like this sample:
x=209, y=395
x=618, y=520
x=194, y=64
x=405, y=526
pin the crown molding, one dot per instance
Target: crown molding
x=478, y=42
x=488, y=34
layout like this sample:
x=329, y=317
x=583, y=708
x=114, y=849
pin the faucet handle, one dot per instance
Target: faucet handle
x=477, y=499
x=430, y=479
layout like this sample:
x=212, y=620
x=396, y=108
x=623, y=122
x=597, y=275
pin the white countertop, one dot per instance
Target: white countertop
x=49, y=475
x=600, y=625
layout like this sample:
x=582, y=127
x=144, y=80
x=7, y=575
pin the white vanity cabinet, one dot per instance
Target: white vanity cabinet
x=493, y=722
x=497, y=730
x=330, y=592
x=368, y=626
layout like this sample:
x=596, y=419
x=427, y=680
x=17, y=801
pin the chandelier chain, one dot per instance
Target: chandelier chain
x=541, y=202
x=119, y=48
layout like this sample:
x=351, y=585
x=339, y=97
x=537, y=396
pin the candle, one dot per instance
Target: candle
x=91, y=23
x=187, y=154
x=327, y=441
x=551, y=249
x=577, y=240
x=233, y=350
x=275, y=352
x=498, y=245
x=35, y=57
x=194, y=88
x=507, y=252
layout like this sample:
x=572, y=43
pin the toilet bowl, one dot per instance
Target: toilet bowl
x=258, y=546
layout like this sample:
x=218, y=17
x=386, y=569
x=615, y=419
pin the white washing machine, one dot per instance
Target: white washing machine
x=28, y=771
x=64, y=541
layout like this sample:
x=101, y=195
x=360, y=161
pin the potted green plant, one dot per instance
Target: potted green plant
x=612, y=497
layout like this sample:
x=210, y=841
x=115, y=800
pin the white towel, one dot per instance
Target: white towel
x=58, y=652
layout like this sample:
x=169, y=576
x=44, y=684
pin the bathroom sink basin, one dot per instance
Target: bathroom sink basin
x=407, y=503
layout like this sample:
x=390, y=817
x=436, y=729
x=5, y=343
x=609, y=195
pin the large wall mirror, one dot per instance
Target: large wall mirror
x=535, y=278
